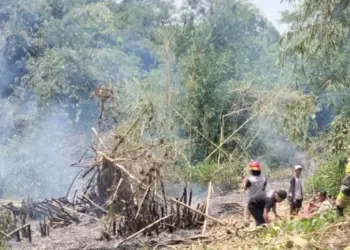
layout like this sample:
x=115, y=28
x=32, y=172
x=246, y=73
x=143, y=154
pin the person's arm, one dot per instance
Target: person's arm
x=247, y=184
x=268, y=205
x=275, y=211
x=266, y=215
x=265, y=184
x=292, y=187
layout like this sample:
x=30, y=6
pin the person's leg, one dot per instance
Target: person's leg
x=340, y=204
x=257, y=212
x=340, y=211
x=261, y=219
x=299, y=204
x=292, y=207
x=307, y=209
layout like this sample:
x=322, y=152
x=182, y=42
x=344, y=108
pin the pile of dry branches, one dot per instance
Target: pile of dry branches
x=54, y=210
x=125, y=182
x=125, y=186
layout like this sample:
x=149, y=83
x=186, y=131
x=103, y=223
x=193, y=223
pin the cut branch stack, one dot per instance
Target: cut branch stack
x=55, y=210
x=124, y=182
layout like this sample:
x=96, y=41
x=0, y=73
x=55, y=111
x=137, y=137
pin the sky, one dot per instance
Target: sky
x=271, y=9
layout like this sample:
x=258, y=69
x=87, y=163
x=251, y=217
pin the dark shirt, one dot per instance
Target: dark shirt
x=266, y=202
x=270, y=202
x=292, y=188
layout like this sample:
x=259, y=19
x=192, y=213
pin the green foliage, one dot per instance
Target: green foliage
x=148, y=53
x=300, y=226
x=229, y=48
x=227, y=173
x=337, y=144
x=329, y=175
x=60, y=73
x=297, y=119
x=318, y=44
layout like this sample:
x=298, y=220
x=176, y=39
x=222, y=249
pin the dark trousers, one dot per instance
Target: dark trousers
x=257, y=211
x=295, y=206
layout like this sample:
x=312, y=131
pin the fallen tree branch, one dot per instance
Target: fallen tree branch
x=16, y=230
x=198, y=212
x=141, y=231
x=86, y=215
x=93, y=203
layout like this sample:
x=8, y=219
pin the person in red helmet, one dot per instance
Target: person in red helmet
x=254, y=185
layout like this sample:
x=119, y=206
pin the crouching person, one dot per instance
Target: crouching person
x=260, y=207
x=343, y=198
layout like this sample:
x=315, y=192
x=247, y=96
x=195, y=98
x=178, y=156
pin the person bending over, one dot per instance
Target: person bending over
x=261, y=206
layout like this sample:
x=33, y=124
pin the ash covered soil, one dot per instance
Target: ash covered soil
x=86, y=234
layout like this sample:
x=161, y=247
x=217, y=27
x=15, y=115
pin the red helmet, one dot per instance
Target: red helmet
x=254, y=165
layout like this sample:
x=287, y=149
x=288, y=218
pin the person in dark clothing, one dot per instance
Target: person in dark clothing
x=260, y=207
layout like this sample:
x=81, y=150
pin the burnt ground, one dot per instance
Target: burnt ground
x=86, y=234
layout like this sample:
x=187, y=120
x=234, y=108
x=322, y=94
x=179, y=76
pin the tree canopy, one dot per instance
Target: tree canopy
x=209, y=68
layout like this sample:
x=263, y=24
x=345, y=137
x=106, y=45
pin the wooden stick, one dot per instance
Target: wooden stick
x=98, y=137
x=17, y=230
x=263, y=109
x=69, y=209
x=93, y=203
x=140, y=206
x=71, y=184
x=128, y=173
x=141, y=231
x=29, y=233
x=207, y=208
x=131, y=127
x=198, y=212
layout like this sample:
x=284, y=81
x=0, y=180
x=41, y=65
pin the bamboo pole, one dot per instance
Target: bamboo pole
x=141, y=231
x=93, y=203
x=207, y=208
x=262, y=110
x=198, y=212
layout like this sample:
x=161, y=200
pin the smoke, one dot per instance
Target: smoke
x=36, y=156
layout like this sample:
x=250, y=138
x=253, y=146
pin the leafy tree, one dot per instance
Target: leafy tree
x=319, y=37
x=222, y=48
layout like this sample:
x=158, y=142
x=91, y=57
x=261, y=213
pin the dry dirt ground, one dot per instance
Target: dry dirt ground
x=85, y=235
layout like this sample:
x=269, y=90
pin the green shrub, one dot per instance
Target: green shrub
x=225, y=173
x=329, y=175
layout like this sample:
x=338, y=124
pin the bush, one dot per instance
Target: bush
x=5, y=221
x=226, y=173
x=329, y=175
